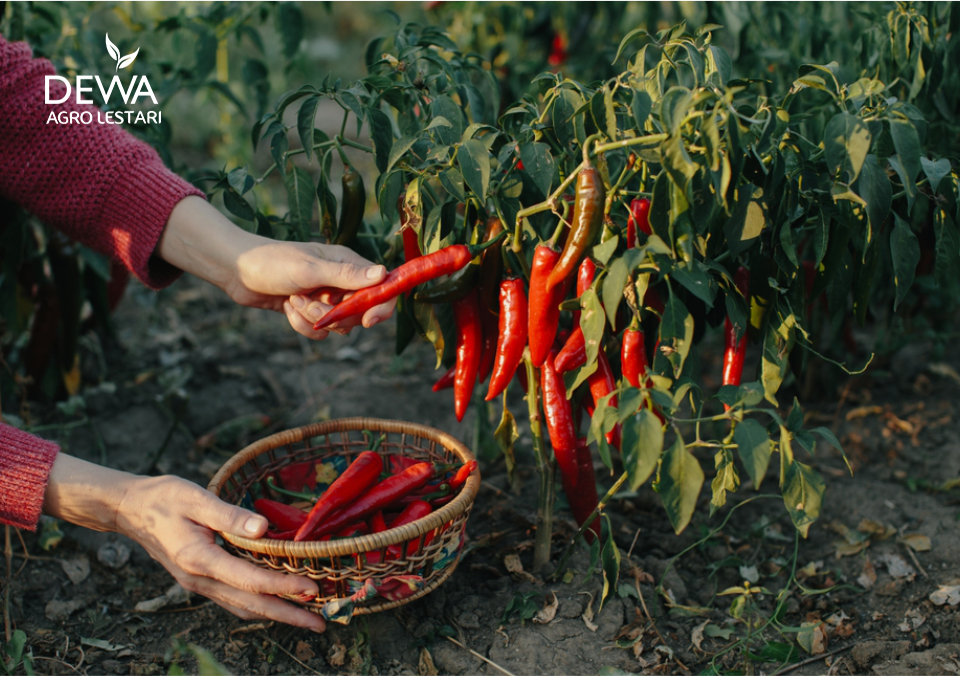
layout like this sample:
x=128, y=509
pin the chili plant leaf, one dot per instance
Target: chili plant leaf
x=753, y=447
x=681, y=479
x=676, y=333
x=305, y=120
x=642, y=446
x=539, y=164
x=726, y=479
x=803, y=490
x=846, y=142
x=591, y=323
x=300, y=197
x=506, y=434
x=381, y=130
x=875, y=189
x=948, y=248
x=610, y=560
x=935, y=171
x=474, y=161
x=905, y=251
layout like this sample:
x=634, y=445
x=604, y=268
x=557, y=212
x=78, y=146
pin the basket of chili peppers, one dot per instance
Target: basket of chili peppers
x=373, y=510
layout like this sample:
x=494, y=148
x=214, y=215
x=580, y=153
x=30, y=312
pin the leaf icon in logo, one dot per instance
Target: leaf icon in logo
x=115, y=53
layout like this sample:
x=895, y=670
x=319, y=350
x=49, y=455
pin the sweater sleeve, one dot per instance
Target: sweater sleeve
x=25, y=462
x=95, y=182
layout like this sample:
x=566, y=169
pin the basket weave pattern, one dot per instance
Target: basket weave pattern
x=340, y=566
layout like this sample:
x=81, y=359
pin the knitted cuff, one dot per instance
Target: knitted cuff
x=135, y=214
x=25, y=462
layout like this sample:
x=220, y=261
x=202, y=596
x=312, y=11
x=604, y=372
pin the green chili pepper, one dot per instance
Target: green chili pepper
x=354, y=201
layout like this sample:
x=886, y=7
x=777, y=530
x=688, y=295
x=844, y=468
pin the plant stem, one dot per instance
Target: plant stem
x=541, y=547
x=547, y=204
x=650, y=139
x=358, y=146
x=586, y=524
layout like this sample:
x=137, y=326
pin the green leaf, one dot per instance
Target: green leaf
x=641, y=107
x=429, y=327
x=521, y=605
x=907, y=143
x=782, y=653
x=803, y=491
x=506, y=435
x=681, y=479
x=240, y=180
x=846, y=142
x=399, y=149
x=676, y=333
x=627, y=39
x=305, y=119
x=381, y=130
x=591, y=323
x=746, y=222
x=539, y=165
x=279, y=145
x=673, y=109
x=905, y=251
x=238, y=206
x=642, y=446
x=474, y=161
x=935, y=171
x=677, y=161
x=777, y=344
x=300, y=196
x=694, y=277
x=290, y=24
x=610, y=561
x=609, y=114
x=14, y=648
x=875, y=189
x=948, y=248
x=206, y=663
x=754, y=449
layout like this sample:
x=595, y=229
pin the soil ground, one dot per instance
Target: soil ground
x=859, y=572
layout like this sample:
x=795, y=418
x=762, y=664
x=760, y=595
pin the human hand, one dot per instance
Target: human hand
x=260, y=272
x=175, y=521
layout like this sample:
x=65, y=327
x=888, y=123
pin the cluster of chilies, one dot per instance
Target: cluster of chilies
x=359, y=501
x=530, y=319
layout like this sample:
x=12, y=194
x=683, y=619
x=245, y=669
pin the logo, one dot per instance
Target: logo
x=115, y=53
x=138, y=88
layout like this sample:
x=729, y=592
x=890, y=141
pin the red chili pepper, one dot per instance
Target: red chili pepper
x=488, y=353
x=381, y=496
x=377, y=523
x=466, y=312
x=639, y=218
x=574, y=353
x=584, y=499
x=462, y=475
x=735, y=350
x=411, y=245
x=544, y=306
x=585, y=275
x=283, y=517
x=586, y=223
x=512, y=335
x=403, y=279
x=558, y=50
x=601, y=384
x=633, y=354
x=445, y=382
x=559, y=418
x=355, y=480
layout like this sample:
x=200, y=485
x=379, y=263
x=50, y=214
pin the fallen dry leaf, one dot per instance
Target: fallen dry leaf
x=696, y=636
x=512, y=563
x=876, y=530
x=912, y=620
x=549, y=610
x=868, y=577
x=588, y=613
x=863, y=412
x=916, y=542
x=77, y=568
x=813, y=637
x=426, y=666
x=304, y=652
x=897, y=566
x=846, y=549
x=337, y=654
x=946, y=594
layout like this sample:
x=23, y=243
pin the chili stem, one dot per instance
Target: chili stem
x=586, y=524
x=343, y=155
x=626, y=143
x=541, y=547
x=358, y=146
x=547, y=204
x=292, y=494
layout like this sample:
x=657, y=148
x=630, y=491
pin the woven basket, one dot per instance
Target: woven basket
x=341, y=567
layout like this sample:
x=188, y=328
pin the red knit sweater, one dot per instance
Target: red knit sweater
x=96, y=183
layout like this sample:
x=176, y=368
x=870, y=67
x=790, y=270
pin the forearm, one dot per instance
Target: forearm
x=200, y=240
x=86, y=494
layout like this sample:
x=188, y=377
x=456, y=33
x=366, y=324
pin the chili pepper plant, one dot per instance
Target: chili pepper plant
x=642, y=213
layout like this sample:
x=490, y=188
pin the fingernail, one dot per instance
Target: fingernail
x=318, y=630
x=298, y=301
x=314, y=313
x=375, y=272
x=253, y=524
x=373, y=321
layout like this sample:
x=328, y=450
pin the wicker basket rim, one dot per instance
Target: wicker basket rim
x=363, y=543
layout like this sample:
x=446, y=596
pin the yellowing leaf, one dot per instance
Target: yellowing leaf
x=916, y=542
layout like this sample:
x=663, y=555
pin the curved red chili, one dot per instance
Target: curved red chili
x=283, y=517
x=573, y=355
x=512, y=336
x=601, y=384
x=403, y=279
x=445, y=382
x=633, y=355
x=466, y=312
x=381, y=496
x=355, y=480
x=544, y=306
x=734, y=348
x=585, y=275
x=488, y=351
x=584, y=499
x=559, y=419
x=462, y=475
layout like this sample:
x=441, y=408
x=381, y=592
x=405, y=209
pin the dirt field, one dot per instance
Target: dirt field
x=887, y=538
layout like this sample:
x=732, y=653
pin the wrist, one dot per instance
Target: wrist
x=200, y=240
x=86, y=494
